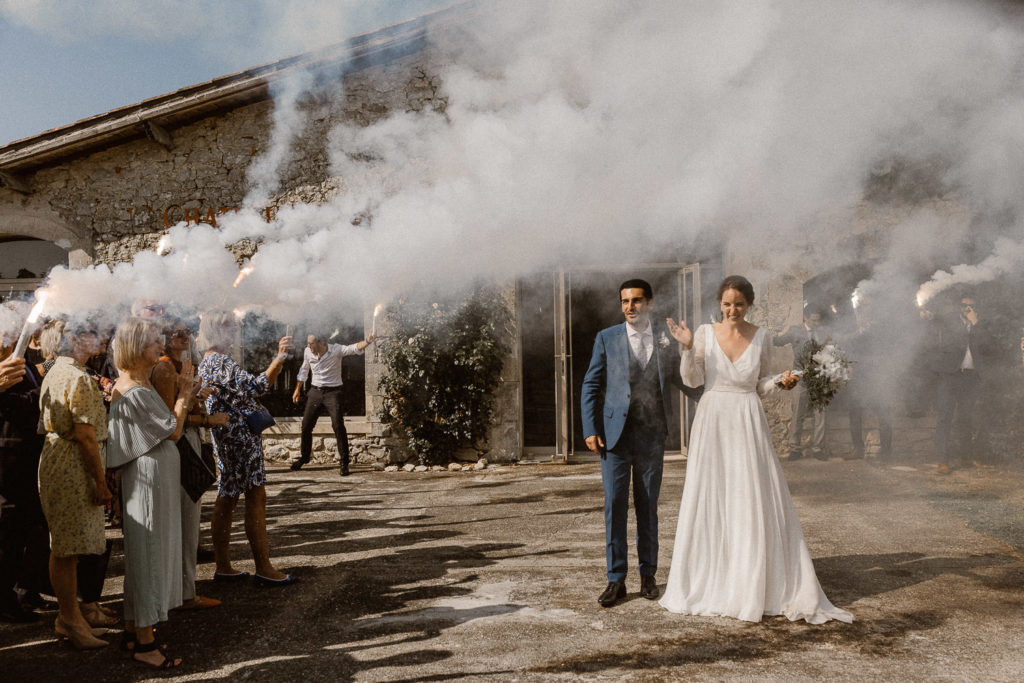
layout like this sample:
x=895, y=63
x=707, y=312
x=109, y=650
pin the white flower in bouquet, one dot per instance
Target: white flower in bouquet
x=832, y=365
x=827, y=370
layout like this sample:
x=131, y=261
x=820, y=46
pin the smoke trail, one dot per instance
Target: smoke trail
x=1008, y=257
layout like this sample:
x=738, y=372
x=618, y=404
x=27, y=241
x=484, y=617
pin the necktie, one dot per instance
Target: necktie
x=642, y=352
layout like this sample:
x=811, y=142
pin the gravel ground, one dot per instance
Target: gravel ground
x=494, y=575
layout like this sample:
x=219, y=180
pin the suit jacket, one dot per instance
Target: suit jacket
x=605, y=397
x=799, y=336
x=951, y=339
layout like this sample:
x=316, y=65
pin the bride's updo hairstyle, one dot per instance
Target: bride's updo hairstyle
x=740, y=284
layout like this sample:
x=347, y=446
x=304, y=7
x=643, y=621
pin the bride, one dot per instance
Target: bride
x=739, y=549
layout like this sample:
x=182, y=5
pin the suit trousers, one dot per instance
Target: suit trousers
x=956, y=402
x=330, y=399
x=640, y=455
x=816, y=446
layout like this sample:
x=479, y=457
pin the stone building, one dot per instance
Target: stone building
x=104, y=188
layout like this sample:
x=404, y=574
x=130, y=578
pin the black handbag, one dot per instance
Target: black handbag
x=258, y=420
x=198, y=470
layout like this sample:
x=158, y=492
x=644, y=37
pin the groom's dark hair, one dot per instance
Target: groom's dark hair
x=637, y=283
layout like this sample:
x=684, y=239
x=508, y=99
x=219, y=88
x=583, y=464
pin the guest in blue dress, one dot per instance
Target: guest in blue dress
x=239, y=449
x=142, y=440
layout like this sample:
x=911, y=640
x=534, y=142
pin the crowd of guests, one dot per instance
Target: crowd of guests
x=958, y=358
x=93, y=433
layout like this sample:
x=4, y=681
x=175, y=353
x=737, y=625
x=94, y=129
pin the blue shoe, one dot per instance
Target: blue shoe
x=264, y=581
x=240, y=576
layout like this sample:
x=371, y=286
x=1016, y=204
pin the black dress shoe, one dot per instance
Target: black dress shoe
x=16, y=614
x=649, y=587
x=204, y=555
x=615, y=591
x=297, y=465
x=344, y=470
x=33, y=600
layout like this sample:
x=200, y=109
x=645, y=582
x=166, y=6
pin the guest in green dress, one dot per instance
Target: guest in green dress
x=142, y=436
x=72, y=486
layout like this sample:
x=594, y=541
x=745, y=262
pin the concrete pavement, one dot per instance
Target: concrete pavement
x=494, y=576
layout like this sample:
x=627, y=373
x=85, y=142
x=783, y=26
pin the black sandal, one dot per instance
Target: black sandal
x=142, y=648
x=128, y=642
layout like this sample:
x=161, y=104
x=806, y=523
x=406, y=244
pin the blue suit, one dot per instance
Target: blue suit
x=634, y=436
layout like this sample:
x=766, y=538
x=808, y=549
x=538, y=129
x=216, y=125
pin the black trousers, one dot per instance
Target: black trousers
x=24, y=552
x=329, y=398
x=955, y=432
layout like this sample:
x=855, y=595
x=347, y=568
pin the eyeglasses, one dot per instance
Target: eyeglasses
x=180, y=334
x=155, y=308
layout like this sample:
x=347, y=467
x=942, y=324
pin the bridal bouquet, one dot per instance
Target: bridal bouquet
x=826, y=371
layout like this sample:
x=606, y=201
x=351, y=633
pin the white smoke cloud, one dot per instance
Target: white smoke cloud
x=604, y=132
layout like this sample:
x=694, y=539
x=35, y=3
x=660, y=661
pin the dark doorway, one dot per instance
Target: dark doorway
x=593, y=306
x=560, y=315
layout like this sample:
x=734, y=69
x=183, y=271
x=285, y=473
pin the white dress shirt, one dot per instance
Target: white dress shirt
x=327, y=368
x=635, y=336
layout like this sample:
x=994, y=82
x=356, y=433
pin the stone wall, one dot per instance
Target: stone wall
x=120, y=201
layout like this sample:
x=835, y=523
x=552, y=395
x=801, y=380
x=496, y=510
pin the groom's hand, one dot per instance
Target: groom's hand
x=596, y=444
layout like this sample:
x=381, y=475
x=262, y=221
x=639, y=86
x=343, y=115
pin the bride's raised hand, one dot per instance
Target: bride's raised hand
x=681, y=333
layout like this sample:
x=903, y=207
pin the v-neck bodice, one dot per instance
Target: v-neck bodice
x=741, y=374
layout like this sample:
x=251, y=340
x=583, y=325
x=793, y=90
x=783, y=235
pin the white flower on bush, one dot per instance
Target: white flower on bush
x=663, y=341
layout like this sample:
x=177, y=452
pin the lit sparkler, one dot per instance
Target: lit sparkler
x=855, y=298
x=242, y=274
x=163, y=246
x=376, y=312
x=30, y=324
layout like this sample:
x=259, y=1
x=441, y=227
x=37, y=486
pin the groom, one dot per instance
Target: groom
x=626, y=409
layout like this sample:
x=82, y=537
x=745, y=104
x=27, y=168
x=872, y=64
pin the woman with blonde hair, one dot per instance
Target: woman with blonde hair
x=72, y=483
x=239, y=449
x=142, y=436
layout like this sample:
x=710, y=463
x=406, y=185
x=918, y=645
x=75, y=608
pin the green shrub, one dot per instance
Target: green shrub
x=443, y=367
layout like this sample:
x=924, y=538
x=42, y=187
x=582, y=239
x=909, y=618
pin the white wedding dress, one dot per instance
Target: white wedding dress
x=739, y=549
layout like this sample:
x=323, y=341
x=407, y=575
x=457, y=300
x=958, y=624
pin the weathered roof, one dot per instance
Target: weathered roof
x=172, y=110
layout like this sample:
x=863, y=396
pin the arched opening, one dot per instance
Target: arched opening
x=24, y=263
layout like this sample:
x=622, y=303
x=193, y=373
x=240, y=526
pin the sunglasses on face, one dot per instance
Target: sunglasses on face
x=180, y=334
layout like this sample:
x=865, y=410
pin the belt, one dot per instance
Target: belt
x=731, y=390
x=336, y=386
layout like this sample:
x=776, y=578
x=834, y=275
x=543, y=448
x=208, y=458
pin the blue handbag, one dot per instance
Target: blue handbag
x=258, y=420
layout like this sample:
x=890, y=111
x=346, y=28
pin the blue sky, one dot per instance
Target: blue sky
x=66, y=60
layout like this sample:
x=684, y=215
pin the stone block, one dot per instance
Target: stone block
x=391, y=468
x=481, y=464
x=454, y=467
x=276, y=453
x=408, y=467
x=420, y=468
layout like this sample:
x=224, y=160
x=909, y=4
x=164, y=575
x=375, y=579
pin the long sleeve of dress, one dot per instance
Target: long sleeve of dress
x=691, y=363
x=766, y=380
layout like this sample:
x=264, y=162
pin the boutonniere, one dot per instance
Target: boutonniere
x=663, y=341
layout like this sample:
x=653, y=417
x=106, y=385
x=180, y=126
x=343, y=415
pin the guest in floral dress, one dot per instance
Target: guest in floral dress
x=239, y=450
x=72, y=485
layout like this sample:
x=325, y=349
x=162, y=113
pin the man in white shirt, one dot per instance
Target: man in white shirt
x=321, y=362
